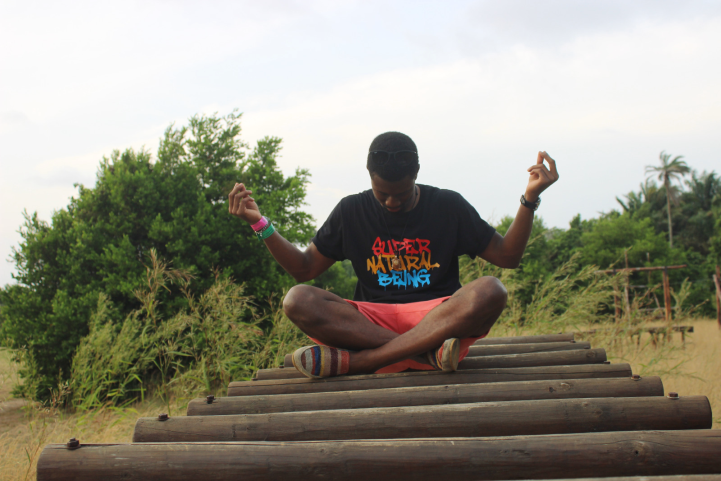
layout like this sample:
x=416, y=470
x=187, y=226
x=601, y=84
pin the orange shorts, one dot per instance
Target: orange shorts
x=401, y=318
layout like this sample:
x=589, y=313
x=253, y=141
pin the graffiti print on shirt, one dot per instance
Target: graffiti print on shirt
x=415, y=263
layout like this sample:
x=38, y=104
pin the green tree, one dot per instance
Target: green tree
x=176, y=205
x=668, y=171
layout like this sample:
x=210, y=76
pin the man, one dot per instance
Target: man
x=403, y=239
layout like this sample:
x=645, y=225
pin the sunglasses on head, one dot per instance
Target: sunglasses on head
x=402, y=157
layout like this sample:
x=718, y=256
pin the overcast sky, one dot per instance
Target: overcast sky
x=603, y=86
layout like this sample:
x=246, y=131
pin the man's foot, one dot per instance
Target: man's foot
x=322, y=361
x=445, y=358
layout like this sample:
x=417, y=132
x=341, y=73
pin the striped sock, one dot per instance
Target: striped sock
x=321, y=361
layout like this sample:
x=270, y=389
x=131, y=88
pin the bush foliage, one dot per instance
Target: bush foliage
x=175, y=205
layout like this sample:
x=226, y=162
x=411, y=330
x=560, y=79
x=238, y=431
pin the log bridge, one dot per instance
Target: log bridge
x=527, y=407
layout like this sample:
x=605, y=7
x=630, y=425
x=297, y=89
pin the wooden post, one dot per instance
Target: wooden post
x=616, y=300
x=624, y=453
x=625, y=289
x=553, y=358
x=667, y=295
x=427, y=378
x=717, y=281
x=505, y=418
x=430, y=395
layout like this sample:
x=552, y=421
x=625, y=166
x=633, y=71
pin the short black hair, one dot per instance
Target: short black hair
x=392, y=142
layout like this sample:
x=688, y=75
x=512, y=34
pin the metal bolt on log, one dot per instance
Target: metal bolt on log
x=673, y=395
x=209, y=399
x=162, y=417
x=73, y=444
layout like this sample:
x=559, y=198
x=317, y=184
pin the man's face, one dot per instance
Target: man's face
x=394, y=196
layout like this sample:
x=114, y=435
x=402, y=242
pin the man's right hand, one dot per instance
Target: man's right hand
x=242, y=205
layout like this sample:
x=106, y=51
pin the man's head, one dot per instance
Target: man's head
x=393, y=167
x=393, y=156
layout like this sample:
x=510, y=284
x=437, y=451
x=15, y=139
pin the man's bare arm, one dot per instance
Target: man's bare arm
x=507, y=251
x=302, y=265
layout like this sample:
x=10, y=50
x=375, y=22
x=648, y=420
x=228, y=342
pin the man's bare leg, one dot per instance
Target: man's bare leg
x=324, y=316
x=470, y=312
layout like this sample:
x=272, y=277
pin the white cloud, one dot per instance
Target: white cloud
x=481, y=86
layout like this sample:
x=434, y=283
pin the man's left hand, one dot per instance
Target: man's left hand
x=541, y=176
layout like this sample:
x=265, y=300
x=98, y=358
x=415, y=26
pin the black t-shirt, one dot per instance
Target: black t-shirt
x=441, y=227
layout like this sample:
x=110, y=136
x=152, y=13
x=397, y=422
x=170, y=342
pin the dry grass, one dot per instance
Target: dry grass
x=692, y=368
x=688, y=368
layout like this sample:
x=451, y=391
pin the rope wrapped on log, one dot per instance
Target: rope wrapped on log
x=426, y=378
x=555, y=358
x=501, y=349
x=430, y=395
x=505, y=418
x=562, y=456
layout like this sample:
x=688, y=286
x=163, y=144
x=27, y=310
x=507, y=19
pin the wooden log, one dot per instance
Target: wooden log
x=430, y=395
x=553, y=358
x=629, y=453
x=429, y=378
x=677, y=477
x=504, y=418
x=556, y=358
x=501, y=349
x=525, y=339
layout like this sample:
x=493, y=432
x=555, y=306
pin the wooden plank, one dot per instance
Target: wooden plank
x=429, y=378
x=630, y=453
x=553, y=358
x=430, y=395
x=504, y=418
x=525, y=339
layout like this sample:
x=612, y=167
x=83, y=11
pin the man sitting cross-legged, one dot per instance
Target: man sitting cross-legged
x=409, y=310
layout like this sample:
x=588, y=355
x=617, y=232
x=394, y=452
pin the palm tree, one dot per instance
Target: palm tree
x=667, y=172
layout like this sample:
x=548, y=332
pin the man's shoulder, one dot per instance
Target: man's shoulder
x=355, y=200
x=441, y=195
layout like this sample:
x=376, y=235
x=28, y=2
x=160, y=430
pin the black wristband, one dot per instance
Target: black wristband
x=531, y=205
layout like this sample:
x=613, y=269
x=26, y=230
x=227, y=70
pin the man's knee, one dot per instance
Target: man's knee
x=297, y=301
x=488, y=294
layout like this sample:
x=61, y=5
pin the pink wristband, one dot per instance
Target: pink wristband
x=260, y=224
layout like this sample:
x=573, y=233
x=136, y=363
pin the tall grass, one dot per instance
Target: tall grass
x=220, y=337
